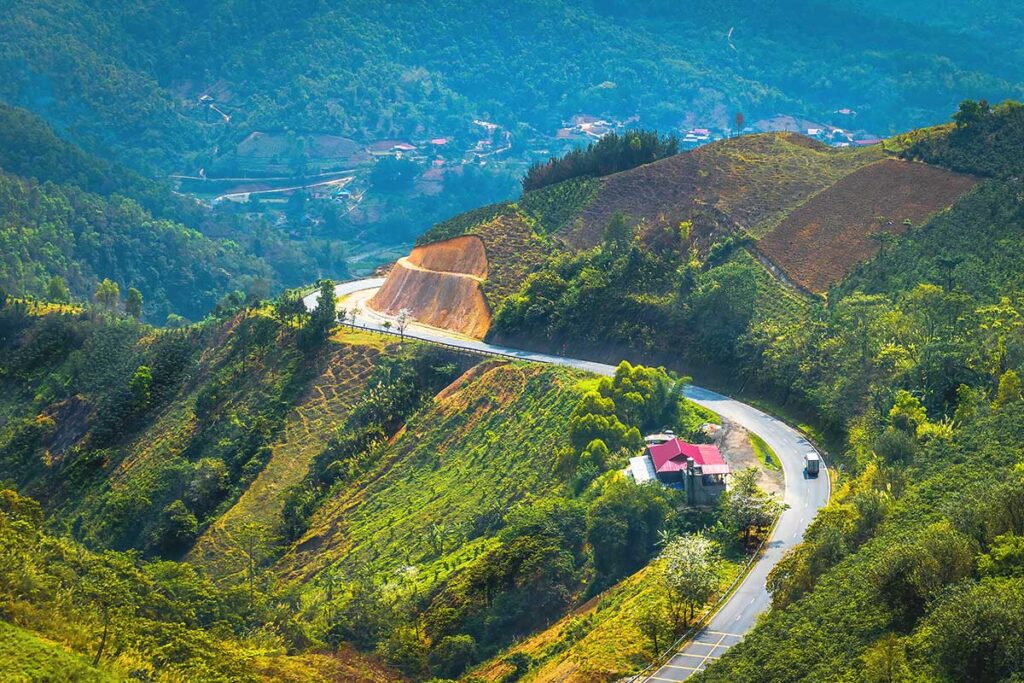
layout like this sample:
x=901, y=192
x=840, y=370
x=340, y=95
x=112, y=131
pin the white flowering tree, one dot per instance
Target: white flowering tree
x=403, y=319
x=691, y=573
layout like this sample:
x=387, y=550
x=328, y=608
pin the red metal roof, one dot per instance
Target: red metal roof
x=671, y=456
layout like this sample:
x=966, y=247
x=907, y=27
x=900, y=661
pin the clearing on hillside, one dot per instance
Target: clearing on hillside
x=822, y=240
x=440, y=284
x=753, y=179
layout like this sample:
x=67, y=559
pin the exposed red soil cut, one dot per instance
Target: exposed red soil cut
x=825, y=238
x=458, y=255
x=453, y=301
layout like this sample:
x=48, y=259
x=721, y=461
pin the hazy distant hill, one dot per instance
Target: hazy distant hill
x=129, y=76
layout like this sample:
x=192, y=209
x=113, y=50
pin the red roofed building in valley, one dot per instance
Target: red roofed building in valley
x=699, y=468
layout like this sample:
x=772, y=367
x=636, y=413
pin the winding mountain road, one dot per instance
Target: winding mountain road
x=804, y=495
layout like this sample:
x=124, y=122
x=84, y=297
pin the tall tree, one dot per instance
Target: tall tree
x=108, y=294
x=133, y=303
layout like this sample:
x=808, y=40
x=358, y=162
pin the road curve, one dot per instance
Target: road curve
x=804, y=495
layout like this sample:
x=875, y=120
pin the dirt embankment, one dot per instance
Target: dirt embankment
x=440, y=284
x=825, y=238
x=463, y=255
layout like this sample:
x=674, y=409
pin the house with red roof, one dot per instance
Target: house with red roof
x=698, y=468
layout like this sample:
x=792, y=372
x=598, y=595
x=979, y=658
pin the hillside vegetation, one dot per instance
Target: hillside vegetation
x=710, y=201
x=128, y=77
x=913, y=365
x=69, y=220
x=337, y=495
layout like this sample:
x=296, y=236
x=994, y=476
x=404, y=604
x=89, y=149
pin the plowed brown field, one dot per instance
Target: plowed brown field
x=822, y=240
x=754, y=180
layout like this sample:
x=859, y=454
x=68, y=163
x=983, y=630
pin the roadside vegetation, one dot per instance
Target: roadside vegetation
x=913, y=366
x=339, y=490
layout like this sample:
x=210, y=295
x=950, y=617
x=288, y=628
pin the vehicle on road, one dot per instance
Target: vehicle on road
x=812, y=464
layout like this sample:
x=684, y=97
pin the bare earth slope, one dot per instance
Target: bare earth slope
x=822, y=240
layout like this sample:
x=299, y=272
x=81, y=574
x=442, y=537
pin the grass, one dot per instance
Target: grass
x=600, y=641
x=28, y=658
x=764, y=453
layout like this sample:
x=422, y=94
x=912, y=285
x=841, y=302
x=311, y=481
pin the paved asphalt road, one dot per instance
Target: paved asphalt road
x=803, y=494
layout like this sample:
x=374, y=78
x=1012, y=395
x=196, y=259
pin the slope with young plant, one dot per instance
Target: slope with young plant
x=134, y=437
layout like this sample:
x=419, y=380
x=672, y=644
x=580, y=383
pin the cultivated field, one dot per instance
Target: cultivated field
x=327, y=402
x=461, y=458
x=513, y=252
x=822, y=240
x=753, y=180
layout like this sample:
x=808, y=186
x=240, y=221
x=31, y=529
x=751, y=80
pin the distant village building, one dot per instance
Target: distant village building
x=699, y=469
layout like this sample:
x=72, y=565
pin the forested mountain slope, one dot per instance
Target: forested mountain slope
x=327, y=490
x=69, y=220
x=376, y=71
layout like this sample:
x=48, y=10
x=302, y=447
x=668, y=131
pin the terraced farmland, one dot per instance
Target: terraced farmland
x=458, y=458
x=327, y=402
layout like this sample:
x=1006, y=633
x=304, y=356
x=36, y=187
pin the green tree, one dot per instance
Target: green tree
x=619, y=233
x=691, y=572
x=250, y=543
x=133, y=303
x=1009, y=389
x=745, y=507
x=452, y=655
x=57, y=290
x=324, y=317
x=652, y=624
x=907, y=413
x=140, y=388
x=623, y=525
x=108, y=294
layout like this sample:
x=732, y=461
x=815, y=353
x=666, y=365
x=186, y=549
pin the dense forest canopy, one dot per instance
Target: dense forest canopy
x=69, y=220
x=376, y=71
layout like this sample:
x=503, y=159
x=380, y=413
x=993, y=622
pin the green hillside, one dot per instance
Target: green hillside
x=373, y=71
x=343, y=489
x=912, y=363
x=69, y=220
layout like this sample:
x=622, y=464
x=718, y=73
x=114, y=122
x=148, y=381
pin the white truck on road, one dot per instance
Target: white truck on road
x=812, y=464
